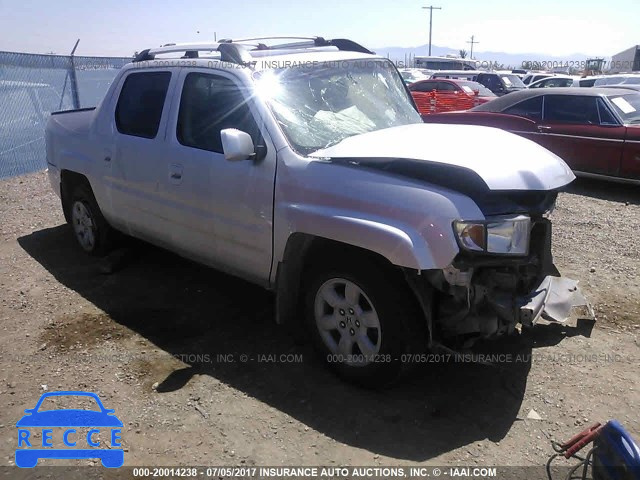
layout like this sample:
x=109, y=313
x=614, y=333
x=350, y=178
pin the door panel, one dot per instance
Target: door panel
x=630, y=165
x=571, y=128
x=221, y=212
x=140, y=118
x=593, y=148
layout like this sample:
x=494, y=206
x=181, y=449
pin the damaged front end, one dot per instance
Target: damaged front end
x=481, y=295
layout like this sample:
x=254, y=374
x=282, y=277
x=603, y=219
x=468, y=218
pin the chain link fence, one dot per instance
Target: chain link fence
x=31, y=87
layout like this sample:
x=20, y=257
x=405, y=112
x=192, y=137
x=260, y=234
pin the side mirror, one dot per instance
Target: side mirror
x=237, y=145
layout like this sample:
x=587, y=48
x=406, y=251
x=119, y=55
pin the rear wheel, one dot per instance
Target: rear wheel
x=362, y=319
x=92, y=232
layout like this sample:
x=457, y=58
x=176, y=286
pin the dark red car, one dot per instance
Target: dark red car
x=595, y=130
x=450, y=95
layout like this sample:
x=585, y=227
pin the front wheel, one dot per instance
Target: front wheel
x=363, y=320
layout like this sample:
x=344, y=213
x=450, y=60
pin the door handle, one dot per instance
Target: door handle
x=543, y=128
x=176, y=176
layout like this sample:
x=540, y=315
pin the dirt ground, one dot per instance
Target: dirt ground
x=199, y=374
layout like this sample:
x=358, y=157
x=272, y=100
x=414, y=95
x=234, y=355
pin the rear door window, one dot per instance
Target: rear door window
x=141, y=102
x=446, y=87
x=423, y=87
x=531, y=108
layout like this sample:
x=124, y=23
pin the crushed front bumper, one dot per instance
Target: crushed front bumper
x=553, y=300
x=488, y=296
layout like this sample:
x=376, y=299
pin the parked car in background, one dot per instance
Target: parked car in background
x=500, y=83
x=556, y=81
x=553, y=82
x=451, y=95
x=411, y=75
x=457, y=74
x=534, y=77
x=587, y=81
x=563, y=81
x=617, y=79
x=265, y=170
x=595, y=130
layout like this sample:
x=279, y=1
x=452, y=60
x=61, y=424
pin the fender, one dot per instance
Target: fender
x=401, y=245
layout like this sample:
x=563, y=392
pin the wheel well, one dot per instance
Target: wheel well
x=68, y=181
x=322, y=248
x=304, y=251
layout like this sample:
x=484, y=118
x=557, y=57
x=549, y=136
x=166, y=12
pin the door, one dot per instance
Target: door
x=630, y=165
x=448, y=97
x=221, y=212
x=421, y=93
x=583, y=132
x=492, y=82
x=133, y=159
x=627, y=106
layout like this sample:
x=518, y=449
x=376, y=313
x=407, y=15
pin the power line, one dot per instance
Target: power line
x=431, y=9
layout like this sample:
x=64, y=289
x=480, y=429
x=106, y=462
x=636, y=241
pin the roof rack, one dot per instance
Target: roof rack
x=239, y=51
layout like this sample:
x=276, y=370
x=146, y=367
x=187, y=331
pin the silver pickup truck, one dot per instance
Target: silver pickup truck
x=304, y=167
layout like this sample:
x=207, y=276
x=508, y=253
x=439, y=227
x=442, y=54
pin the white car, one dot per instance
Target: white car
x=305, y=168
x=563, y=81
x=411, y=75
x=534, y=77
x=617, y=79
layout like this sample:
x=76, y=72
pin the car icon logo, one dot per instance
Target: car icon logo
x=69, y=420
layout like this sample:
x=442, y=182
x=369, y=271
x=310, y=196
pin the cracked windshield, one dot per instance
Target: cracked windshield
x=321, y=106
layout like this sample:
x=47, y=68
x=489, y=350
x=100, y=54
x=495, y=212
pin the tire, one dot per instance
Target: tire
x=92, y=232
x=362, y=319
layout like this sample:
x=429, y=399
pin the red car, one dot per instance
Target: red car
x=595, y=130
x=450, y=95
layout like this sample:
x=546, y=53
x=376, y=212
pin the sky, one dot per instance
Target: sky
x=119, y=27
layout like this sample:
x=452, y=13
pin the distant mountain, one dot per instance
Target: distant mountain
x=515, y=60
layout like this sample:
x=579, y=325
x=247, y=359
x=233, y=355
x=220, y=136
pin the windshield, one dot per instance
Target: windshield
x=632, y=81
x=321, y=106
x=512, y=81
x=470, y=87
x=627, y=106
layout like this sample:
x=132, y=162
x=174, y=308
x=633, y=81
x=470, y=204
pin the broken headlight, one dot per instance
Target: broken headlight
x=497, y=235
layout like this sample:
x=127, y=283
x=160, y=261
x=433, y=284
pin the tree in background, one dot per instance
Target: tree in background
x=462, y=53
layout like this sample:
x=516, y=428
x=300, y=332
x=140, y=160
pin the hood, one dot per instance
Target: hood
x=502, y=160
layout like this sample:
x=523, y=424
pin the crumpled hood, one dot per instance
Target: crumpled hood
x=504, y=161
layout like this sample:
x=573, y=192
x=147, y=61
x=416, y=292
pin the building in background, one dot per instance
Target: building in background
x=626, y=61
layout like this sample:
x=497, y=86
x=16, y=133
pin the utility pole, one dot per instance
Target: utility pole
x=472, y=42
x=431, y=9
x=215, y=35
